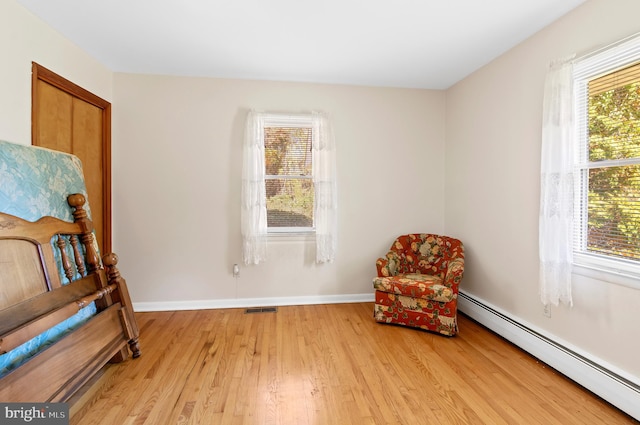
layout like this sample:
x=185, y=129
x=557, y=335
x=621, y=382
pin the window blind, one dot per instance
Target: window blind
x=607, y=209
x=288, y=176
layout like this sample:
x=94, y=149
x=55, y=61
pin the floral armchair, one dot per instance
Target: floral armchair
x=417, y=283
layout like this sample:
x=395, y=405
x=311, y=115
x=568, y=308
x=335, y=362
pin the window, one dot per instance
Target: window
x=288, y=182
x=607, y=174
x=289, y=175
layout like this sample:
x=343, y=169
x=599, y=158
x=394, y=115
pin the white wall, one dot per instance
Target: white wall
x=176, y=185
x=492, y=188
x=23, y=39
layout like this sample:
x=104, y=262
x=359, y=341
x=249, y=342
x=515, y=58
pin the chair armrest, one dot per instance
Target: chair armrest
x=388, y=266
x=454, y=273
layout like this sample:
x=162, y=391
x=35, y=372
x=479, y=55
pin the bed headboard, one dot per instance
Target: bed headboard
x=35, y=301
x=64, y=311
x=28, y=258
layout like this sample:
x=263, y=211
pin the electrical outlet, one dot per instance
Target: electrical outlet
x=236, y=270
x=547, y=310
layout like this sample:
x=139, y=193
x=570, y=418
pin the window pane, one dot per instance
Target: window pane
x=614, y=211
x=287, y=151
x=614, y=115
x=289, y=202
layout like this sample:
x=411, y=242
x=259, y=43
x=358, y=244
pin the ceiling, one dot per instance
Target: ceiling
x=428, y=44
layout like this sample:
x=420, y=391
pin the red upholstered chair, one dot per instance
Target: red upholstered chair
x=417, y=283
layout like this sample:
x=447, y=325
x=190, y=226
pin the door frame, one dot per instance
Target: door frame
x=40, y=73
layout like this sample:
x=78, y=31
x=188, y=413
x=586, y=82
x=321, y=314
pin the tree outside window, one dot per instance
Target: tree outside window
x=613, y=166
x=288, y=178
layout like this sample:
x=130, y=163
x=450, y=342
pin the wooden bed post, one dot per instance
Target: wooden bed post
x=77, y=201
x=92, y=259
x=110, y=260
x=122, y=296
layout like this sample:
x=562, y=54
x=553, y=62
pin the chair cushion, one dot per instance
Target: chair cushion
x=415, y=285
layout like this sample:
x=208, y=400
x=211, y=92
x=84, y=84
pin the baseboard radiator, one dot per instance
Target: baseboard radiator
x=591, y=374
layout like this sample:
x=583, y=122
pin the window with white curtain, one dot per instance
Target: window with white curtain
x=590, y=171
x=606, y=230
x=288, y=182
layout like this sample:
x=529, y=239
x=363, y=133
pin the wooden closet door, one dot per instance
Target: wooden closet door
x=68, y=118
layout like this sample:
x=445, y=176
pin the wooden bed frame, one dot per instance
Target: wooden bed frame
x=33, y=299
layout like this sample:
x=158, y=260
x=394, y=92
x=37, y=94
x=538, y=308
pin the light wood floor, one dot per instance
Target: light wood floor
x=328, y=364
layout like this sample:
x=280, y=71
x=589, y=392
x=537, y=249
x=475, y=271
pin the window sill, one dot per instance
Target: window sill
x=607, y=271
x=291, y=236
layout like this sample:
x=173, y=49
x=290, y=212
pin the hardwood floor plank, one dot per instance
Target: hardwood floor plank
x=328, y=364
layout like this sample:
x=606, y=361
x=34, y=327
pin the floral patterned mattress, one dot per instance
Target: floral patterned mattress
x=35, y=182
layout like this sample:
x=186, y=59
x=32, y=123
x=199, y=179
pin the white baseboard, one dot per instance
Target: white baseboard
x=251, y=302
x=588, y=371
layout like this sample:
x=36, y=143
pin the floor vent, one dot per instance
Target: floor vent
x=261, y=310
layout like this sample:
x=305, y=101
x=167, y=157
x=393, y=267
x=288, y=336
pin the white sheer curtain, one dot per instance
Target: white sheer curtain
x=253, y=213
x=254, y=210
x=556, y=184
x=324, y=179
